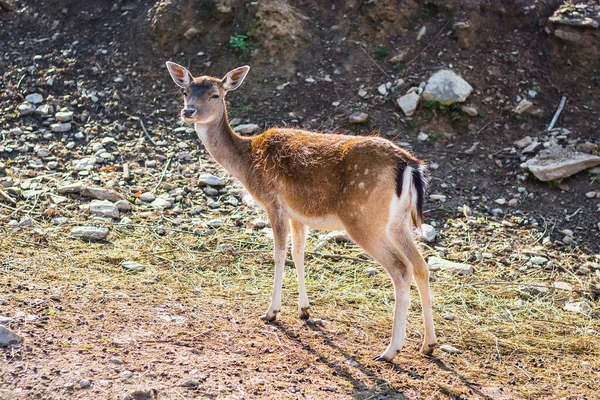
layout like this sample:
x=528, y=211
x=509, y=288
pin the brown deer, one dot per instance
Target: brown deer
x=366, y=185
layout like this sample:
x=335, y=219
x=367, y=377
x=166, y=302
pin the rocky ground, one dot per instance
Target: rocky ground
x=91, y=148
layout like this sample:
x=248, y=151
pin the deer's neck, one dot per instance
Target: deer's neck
x=229, y=149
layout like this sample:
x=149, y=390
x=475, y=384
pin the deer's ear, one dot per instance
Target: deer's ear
x=180, y=75
x=234, y=78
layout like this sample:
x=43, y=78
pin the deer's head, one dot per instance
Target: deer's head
x=204, y=97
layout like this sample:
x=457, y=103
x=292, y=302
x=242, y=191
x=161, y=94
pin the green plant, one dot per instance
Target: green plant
x=381, y=52
x=399, y=66
x=238, y=42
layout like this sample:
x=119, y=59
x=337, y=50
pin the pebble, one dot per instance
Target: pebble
x=372, y=271
x=89, y=232
x=437, y=263
x=84, y=164
x=215, y=223
x=538, y=260
x=44, y=109
x=162, y=202
x=99, y=193
x=579, y=306
x=449, y=316
x=116, y=360
x=246, y=128
x=449, y=349
x=26, y=221
x=422, y=136
x=470, y=111
x=126, y=374
x=562, y=285
x=438, y=197
x=133, y=266
x=26, y=109
x=408, y=103
x=8, y=337
x=123, y=205
x=358, y=118
x=362, y=92
x=590, y=195
x=85, y=383
x=62, y=127
x=382, y=89
x=211, y=180
x=64, y=116
x=34, y=98
x=500, y=201
x=147, y=197
x=428, y=232
x=421, y=33
x=104, y=208
x=189, y=384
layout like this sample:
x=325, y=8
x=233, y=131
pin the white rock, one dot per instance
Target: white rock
x=64, y=116
x=147, y=197
x=428, y=232
x=123, y=205
x=72, y=188
x=522, y=143
x=421, y=33
x=211, y=180
x=34, y=98
x=382, y=89
x=133, y=266
x=89, y=232
x=362, y=92
x=26, y=108
x=524, y=106
x=8, y=337
x=422, y=136
x=104, y=208
x=44, y=109
x=445, y=265
x=372, y=271
x=449, y=349
x=538, y=260
x=335, y=236
x=470, y=111
x=590, y=195
x=162, y=202
x=246, y=128
x=126, y=374
x=562, y=285
x=358, y=118
x=580, y=307
x=556, y=163
x=438, y=197
x=446, y=87
x=84, y=164
x=501, y=201
x=99, y=193
x=408, y=103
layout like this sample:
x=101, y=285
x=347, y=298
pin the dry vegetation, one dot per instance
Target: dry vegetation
x=193, y=315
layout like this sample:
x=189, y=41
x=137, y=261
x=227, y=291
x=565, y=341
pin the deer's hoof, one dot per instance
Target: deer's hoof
x=303, y=313
x=270, y=316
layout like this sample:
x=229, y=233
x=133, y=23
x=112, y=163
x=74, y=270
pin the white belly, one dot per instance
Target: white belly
x=326, y=223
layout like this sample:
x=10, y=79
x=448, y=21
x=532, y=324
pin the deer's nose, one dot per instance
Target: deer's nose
x=188, y=112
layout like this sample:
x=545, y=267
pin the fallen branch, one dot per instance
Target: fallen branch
x=146, y=132
x=429, y=44
x=162, y=176
x=563, y=101
x=374, y=62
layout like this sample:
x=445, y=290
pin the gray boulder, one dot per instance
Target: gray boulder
x=556, y=163
x=446, y=87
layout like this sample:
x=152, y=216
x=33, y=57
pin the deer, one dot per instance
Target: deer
x=365, y=185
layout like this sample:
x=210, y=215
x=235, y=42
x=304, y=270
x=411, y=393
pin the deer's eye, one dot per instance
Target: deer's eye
x=214, y=96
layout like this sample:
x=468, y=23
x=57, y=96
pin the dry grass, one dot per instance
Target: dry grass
x=513, y=345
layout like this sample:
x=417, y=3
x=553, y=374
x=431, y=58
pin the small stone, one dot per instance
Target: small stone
x=191, y=32
x=556, y=163
x=258, y=223
x=524, y=106
x=446, y=87
x=437, y=263
x=362, y=92
x=133, y=266
x=62, y=127
x=538, y=260
x=537, y=290
x=562, y=285
x=26, y=221
x=147, y=197
x=438, y=197
x=449, y=316
x=85, y=383
x=583, y=271
x=470, y=111
x=513, y=202
x=44, y=109
x=34, y=98
x=382, y=89
x=358, y=118
x=162, y=202
x=501, y=201
x=8, y=337
x=126, y=374
x=123, y=205
x=59, y=221
x=89, y=232
x=104, y=208
x=26, y=109
x=211, y=180
x=522, y=143
x=64, y=116
x=372, y=271
x=215, y=223
x=429, y=233
x=398, y=57
x=422, y=136
x=409, y=103
x=449, y=349
x=421, y=33
x=246, y=128
x=84, y=164
x=189, y=384
x=580, y=307
x=590, y=195
x=99, y=193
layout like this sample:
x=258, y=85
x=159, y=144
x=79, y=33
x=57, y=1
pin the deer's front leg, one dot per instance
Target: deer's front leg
x=298, y=245
x=281, y=227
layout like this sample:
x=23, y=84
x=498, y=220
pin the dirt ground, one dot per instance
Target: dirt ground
x=188, y=325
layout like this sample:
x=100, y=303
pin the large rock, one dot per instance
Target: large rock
x=436, y=263
x=104, y=208
x=446, y=87
x=556, y=163
x=101, y=194
x=89, y=232
x=211, y=180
